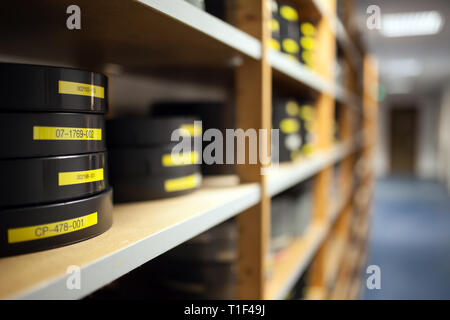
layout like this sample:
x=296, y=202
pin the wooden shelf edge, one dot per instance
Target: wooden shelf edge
x=141, y=232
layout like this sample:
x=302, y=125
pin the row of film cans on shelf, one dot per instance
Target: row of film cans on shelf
x=55, y=187
x=295, y=119
x=145, y=162
x=291, y=34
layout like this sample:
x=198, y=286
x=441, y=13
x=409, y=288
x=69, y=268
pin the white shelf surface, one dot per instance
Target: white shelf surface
x=129, y=35
x=301, y=74
x=206, y=23
x=141, y=231
x=289, y=174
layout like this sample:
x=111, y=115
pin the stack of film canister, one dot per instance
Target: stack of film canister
x=289, y=30
x=301, y=196
x=307, y=115
x=204, y=267
x=282, y=212
x=291, y=215
x=146, y=163
x=54, y=186
x=295, y=38
x=275, y=41
x=216, y=115
x=307, y=43
x=286, y=119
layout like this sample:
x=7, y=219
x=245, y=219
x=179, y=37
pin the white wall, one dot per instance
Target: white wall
x=382, y=154
x=427, y=140
x=444, y=138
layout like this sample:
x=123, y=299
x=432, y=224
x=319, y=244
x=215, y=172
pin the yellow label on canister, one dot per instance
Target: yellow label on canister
x=290, y=46
x=307, y=149
x=173, y=160
x=274, y=44
x=308, y=57
x=307, y=29
x=289, y=125
x=309, y=125
x=51, y=229
x=308, y=43
x=307, y=113
x=292, y=108
x=288, y=13
x=274, y=25
x=191, y=130
x=183, y=183
x=81, y=89
x=295, y=154
x=66, y=133
x=77, y=177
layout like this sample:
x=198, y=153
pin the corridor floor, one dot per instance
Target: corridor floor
x=410, y=240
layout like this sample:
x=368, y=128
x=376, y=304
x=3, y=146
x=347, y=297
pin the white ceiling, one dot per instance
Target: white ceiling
x=432, y=52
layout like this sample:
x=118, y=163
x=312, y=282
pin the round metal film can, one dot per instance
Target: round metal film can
x=35, y=88
x=35, y=181
x=35, y=228
x=26, y=135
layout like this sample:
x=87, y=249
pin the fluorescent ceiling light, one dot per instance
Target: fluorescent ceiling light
x=400, y=68
x=411, y=24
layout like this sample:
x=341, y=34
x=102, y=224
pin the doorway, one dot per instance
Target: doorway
x=403, y=131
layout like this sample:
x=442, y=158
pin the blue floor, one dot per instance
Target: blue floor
x=410, y=240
